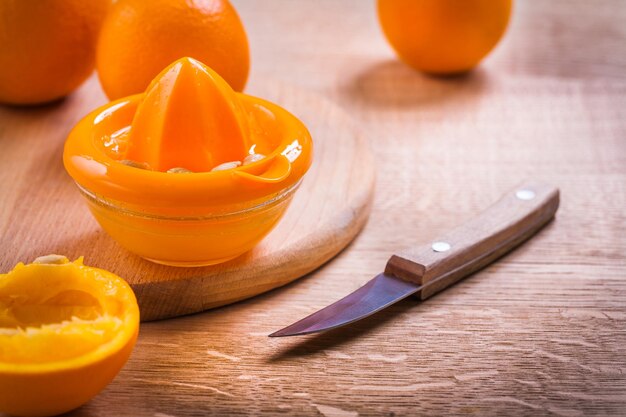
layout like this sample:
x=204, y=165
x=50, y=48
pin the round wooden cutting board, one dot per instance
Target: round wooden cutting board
x=41, y=211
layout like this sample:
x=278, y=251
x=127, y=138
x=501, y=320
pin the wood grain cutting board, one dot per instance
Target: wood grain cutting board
x=41, y=211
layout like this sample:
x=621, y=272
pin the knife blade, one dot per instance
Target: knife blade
x=427, y=269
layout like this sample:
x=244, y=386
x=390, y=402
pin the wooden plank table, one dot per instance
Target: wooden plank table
x=542, y=332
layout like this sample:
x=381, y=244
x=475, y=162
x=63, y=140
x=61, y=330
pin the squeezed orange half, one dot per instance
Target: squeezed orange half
x=66, y=330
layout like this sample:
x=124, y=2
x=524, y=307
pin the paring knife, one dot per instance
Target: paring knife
x=428, y=269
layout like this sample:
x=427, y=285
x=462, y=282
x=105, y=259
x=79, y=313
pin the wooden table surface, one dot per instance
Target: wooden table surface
x=541, y=332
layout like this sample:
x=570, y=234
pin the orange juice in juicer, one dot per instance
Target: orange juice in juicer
x=189, y=173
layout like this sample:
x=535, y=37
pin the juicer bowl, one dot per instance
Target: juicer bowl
x=195, y=240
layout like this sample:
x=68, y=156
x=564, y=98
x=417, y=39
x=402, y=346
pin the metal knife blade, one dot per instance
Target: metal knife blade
x=378, y=293
x=430, y=268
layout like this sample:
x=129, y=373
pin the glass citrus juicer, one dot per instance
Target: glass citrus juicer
x=189, y=173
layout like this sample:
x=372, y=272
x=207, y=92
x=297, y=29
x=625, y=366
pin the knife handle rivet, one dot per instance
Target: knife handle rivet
x=441, y=246
x=525, y=194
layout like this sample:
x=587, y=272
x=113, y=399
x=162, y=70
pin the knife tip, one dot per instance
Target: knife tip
x=279, y=333
x=288, y=331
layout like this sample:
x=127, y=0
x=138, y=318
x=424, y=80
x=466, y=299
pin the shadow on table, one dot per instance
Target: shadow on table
x=392, y=84
x=35, y=108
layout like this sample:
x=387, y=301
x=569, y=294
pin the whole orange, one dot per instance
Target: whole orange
x=47, y=47
x=140, y=38
x=443, y=36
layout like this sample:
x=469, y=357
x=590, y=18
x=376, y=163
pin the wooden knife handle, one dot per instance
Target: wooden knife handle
x=518, y=215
